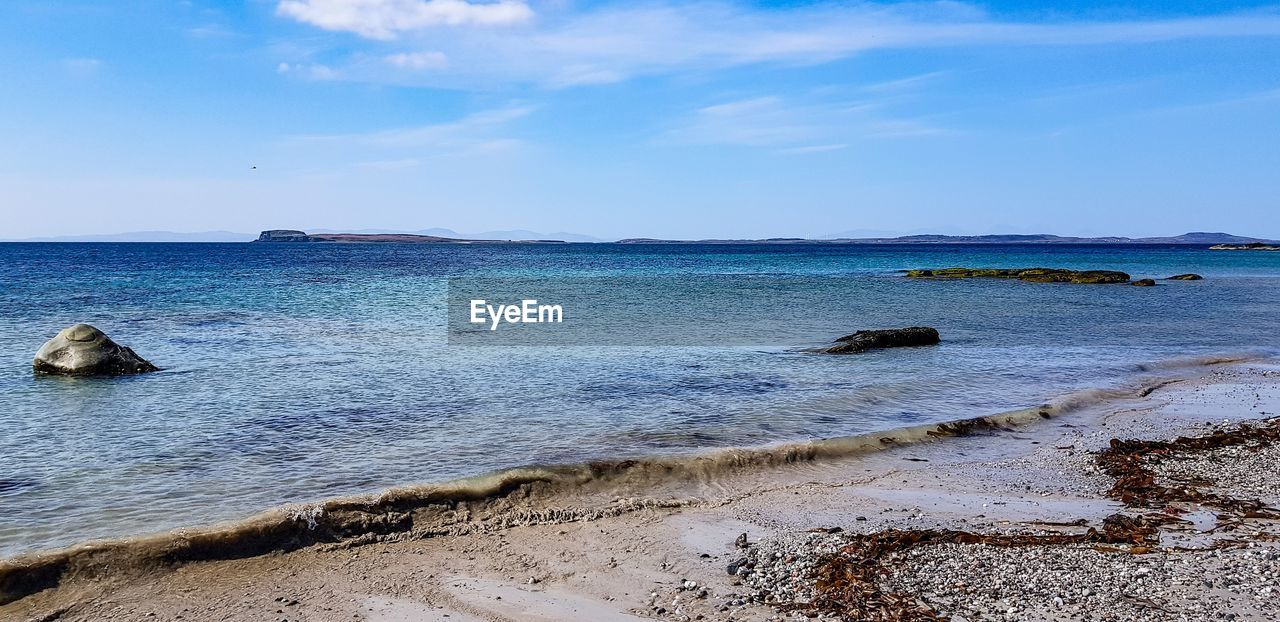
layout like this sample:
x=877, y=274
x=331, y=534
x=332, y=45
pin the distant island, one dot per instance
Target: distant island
x=295, y=236
x=1194, y=238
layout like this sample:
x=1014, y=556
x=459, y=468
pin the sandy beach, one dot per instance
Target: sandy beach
x=667, y=553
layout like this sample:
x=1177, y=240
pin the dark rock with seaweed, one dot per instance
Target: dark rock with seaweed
x=1032, y=275
x=1185, y=277
x=864, y=340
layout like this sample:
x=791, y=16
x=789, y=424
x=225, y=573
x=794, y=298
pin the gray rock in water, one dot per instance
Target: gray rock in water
x=83, y=350
x=888, y=338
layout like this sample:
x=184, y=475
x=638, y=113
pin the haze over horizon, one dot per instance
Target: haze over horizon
x=714, y=119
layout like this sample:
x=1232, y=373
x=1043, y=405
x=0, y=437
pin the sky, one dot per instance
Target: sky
x=639, y=118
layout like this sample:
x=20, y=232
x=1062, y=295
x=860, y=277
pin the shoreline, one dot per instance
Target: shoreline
x=430, y=509
x=527, y=512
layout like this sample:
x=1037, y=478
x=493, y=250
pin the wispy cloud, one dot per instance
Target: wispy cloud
x=480, y=132
x=568, y=46
x=903, y=84
x=792, y=128
x=387, y=19
x=388, y=165
x=82, y=66
x=812, y=149
x=467, y=131
x=1269, y=96
x=211, y=31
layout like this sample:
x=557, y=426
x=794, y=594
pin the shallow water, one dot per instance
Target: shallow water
x=294, y=373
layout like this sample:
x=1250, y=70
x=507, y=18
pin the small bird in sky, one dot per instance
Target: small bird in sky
x=253, y=168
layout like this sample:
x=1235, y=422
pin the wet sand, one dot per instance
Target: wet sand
x=664, y=553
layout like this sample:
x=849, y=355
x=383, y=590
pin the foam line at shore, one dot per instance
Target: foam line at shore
x=518, y=496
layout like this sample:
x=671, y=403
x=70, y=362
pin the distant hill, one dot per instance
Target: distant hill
x=1194, y=238
x=149, y=236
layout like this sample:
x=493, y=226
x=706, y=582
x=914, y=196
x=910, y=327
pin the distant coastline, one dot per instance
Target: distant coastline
x=1214, y=240
x=1198, y=238
x=1194, y=238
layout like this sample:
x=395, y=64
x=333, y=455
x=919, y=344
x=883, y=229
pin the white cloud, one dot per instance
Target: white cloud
x=569, y=46
x=418, y=61
x=324, y=72
x=314, y=71
x=387, y=19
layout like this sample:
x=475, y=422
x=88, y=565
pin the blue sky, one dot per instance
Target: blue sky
x=618, y=119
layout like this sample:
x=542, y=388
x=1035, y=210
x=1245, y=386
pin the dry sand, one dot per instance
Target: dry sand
x=670, y=562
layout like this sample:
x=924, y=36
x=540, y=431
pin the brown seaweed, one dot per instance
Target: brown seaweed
x=1136, y=485
x=848, y=583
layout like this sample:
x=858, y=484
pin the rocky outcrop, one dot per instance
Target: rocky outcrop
x=864, y=340
x=284, y=235
x=83, y=350
x=1144, y=283
x=1033, y=275
x=293, y=235
x=1252, y=246
x=1185, y=277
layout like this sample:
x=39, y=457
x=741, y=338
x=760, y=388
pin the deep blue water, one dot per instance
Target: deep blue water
x=298, y=372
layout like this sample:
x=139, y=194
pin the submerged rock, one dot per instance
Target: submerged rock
x=14, y=485
x=1144, y=282
x=83, y=350
x=1034, y=275
x=888, y=338
x=1185, y=277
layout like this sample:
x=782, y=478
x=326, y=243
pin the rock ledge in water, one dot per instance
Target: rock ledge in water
x=888, y=338
x=1034, y=275
x=1144, y=283
x=1185, y=277
x=1251, y=246
x=83, y=350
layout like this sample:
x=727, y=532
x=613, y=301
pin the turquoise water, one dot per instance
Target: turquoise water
x=299, y=372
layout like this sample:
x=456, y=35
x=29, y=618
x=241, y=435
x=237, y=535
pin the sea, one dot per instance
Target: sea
x=293, y=373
